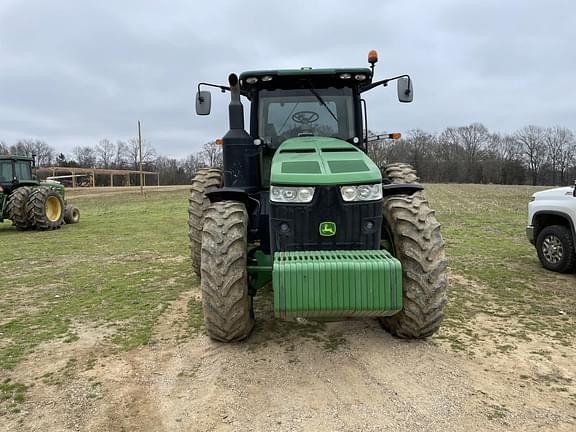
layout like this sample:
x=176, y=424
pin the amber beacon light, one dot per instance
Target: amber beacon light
x=373, y=57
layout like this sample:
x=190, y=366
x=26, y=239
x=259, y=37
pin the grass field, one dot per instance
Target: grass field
x=118, y=270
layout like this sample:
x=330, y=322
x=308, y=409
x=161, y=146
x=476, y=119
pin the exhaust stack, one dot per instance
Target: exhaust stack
x=241, y=156
x=235, y=109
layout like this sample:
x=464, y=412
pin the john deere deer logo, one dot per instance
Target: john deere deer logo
x=327, y=229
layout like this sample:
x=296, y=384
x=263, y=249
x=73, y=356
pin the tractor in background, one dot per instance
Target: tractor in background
x=28, y=202
x=300, y=204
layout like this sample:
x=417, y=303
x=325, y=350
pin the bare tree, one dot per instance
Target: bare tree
x=449, y=155
x=4, y=150
x=212, y=154
x=133, y=152
x=532, y=140
x=24, y=147
x=473, y=140
x=558, y=140
x=192, y=164
x=120, y=155
x=105, y=151
x=85, y=156
x=28, y=147
x=418, y=144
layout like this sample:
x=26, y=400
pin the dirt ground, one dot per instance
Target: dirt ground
x=301, y=376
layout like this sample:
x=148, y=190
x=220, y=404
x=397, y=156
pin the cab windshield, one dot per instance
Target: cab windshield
x=284, y=114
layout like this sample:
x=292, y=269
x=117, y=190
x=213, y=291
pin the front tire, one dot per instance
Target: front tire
x=227, y=305
x=71, y=214
x=205, y=179
x=555, y=247
x=418, y=244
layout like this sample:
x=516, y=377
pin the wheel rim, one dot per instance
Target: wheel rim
x=552, y=249
x=53, y=209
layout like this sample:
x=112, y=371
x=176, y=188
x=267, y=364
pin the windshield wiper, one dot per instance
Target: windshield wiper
x=315, y=93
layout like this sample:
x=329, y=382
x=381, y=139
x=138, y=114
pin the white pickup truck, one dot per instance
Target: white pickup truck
x=552, y=228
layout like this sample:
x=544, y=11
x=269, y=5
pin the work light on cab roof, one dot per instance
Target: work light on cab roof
x=298, y=203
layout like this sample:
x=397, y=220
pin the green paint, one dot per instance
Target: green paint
x=259, y=268
x=336, y=284
x=312, y=161
x=327, y=229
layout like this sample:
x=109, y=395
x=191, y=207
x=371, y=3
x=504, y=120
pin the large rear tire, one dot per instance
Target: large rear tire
x=45, y=208
x=419, y=246
x=204, y=180
x=227, y=305
x=17, y=208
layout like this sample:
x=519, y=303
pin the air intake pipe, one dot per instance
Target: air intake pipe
x=241, y=156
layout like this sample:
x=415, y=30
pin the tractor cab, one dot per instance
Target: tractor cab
x=15, y=170
x=305, y=102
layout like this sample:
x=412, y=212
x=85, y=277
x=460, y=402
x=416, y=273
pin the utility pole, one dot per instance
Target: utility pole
x=140, y=144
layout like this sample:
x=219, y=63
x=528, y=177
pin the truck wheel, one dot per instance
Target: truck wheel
x=555, y=247
x=17, y=208
x=45, y=208
x=418, y=244
x=71, y=214
x=228, y=313
x=205, y=179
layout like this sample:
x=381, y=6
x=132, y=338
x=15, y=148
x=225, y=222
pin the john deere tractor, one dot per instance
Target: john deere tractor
x=29, y=203
x=299, y=204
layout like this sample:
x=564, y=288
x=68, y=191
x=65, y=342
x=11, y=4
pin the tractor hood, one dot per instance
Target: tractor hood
x=312, y=161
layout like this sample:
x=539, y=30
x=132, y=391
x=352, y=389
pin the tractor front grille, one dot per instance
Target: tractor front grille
x=296, y=227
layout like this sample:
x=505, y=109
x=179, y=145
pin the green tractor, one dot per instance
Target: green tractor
x=29, y=203
x=300, y=204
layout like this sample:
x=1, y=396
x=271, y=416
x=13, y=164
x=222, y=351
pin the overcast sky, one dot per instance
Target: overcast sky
x=73, y=72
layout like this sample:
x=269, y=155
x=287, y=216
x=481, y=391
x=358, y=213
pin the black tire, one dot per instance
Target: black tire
x=204, y=180
x=45, y=208
x=418, y=244
x=401, y=173
x=227, y=305
x=17, y=208
x=555, y=247
x=71, y=214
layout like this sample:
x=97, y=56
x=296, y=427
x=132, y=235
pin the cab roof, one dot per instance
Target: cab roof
x=11, y=157
x=281, y=77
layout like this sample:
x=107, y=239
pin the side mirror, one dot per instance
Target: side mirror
x=203, y=102
x=405, y=92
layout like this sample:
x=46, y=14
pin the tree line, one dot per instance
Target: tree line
x=108, y=154
x=472, y=154
x=466, y=154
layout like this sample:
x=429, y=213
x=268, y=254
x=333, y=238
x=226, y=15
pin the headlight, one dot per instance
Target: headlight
x=291, y=194
x=362, y=192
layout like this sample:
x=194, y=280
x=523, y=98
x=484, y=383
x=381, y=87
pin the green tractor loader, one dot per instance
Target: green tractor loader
x=29, y=203
x=299, y=204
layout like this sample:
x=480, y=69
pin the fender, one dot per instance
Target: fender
x=555, y=213
x=233, y=194
x=401, y=189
